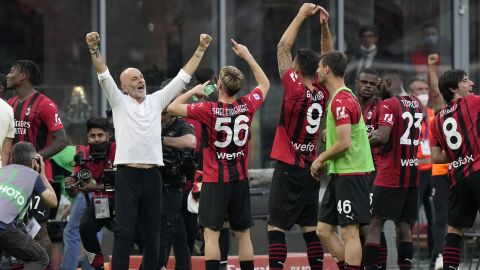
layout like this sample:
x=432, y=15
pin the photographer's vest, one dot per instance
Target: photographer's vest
x=16, y=186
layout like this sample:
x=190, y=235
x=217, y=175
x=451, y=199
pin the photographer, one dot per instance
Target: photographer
x=94, y=173
x=178, y=141
x=18, y=182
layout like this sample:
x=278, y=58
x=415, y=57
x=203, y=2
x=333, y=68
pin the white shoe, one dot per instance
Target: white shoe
x=439, y=262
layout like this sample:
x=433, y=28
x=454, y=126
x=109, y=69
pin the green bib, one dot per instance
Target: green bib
x=358, y=157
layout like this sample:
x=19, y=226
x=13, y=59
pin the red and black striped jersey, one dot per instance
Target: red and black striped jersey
x=226, y=131
x=298, y=128
x=456, y=130
x=398, y=166
x=370, y=116
x=35, y=119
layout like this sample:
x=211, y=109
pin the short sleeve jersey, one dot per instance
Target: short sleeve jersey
x=227, y=130
x=455, y=129
x=298, y=128
x=398, y=163
x=35, y=120
x=345, y=109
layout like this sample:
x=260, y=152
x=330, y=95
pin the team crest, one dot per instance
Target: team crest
x=28, y=111
x=369, y=115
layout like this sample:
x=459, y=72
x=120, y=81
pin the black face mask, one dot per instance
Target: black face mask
x=99, y=150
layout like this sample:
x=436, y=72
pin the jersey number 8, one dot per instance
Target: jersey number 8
x=454, y=138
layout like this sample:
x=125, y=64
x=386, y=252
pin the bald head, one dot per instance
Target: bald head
x=133, y=83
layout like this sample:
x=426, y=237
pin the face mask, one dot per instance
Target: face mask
x=431, y=40
x=423, y=98
x=98, y=148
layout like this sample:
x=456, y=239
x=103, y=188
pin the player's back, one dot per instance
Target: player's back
x=298, y=128
x=399, y=164
x=456, y=129
x=226, y=135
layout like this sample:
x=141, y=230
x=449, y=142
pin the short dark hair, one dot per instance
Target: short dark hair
x=204, y=74
x=30, y=68
x=371, y=71
x=307, y=60
x=336, y=61
x=449, y=81
x=97, y=122
x=22, y=153
x=3, y=80
x=368, y=28
x=392, y=73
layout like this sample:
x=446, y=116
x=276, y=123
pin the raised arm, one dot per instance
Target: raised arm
x=260, y=76
x=284, y=46
x=172, y=89
x=326, y=43
x=93, y=42
x=437, y=98
x=194, y=61
x=178, y=107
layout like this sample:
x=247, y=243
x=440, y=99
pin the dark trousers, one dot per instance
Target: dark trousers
x=172, y=201
x=20, y=245
x=138, y=199
x=440, y=191
x=90, y=226
x=184, y=236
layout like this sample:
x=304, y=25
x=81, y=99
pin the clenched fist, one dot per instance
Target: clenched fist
x=323, y=15
x=308, y=9
x=205, y=40
x=433, y=59
x=93, y=39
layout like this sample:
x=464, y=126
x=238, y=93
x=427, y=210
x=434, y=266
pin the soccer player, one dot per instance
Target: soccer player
x=225, y=189
x=455, y=139
x=294, y=193
x=366, y=85
x=395, y=189
x=349, y=161
x=36, y=121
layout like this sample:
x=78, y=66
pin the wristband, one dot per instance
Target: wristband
x=94, y=50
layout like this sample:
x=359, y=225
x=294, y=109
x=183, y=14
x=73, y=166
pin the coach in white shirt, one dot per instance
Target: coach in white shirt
x=7, y=131
x=138, y=130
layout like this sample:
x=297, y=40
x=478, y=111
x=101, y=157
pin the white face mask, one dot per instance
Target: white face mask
x=423, y=98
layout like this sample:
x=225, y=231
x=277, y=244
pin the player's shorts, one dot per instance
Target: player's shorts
x=464, y=202
x=346, y=201
x=220, y=200
x=399, y=204
x=38, y=209
x=293, y=197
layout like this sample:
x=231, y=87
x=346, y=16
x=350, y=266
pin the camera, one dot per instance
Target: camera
x=177, y=162
x=83, y=175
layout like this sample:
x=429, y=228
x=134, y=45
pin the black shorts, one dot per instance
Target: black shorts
x=464, y=202
x=293, y=197
x=230, y=200
x=38, y=209
x=399, y=204
x=346, y=201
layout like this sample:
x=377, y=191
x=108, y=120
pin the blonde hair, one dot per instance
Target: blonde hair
x=232, y=79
